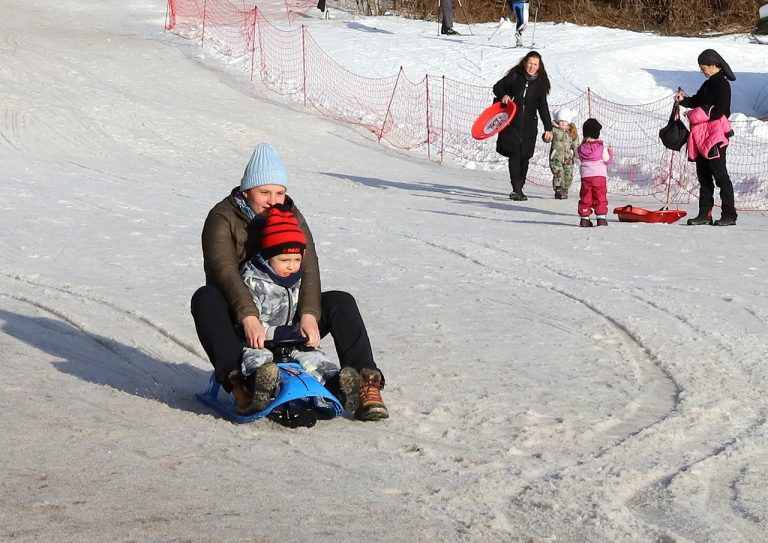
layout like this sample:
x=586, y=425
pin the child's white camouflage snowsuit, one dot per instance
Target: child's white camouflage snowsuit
x=561, y=157
x=277, y=307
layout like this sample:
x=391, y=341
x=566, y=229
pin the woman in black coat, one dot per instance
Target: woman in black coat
x=714, y=97
x=526, y=84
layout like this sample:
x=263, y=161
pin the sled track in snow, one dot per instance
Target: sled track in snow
x=724, y=490
x=652, y=361
x=627, y=334
x=656, y=377
x=738, y=504
x=733, y=504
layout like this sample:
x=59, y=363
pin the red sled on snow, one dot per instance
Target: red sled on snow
x=638, y=214
x=493, y=120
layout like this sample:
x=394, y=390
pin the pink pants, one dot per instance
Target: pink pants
x=593, y=195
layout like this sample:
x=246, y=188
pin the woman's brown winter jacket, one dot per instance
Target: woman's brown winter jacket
x=229, y=239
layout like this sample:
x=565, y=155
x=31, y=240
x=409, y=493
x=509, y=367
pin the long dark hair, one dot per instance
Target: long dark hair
x=541, y=74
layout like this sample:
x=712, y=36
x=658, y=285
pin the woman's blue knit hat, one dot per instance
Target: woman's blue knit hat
x=265, y=168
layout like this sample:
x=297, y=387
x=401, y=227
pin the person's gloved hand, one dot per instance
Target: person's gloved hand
x=287, y=332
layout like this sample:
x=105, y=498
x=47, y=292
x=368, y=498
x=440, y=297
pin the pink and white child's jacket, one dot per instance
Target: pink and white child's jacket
x=594, y=158
x=707, y=136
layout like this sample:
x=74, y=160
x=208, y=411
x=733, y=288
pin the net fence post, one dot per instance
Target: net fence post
x=202, y=35
x=253, y=39
x=426, y=89
x=389, y=106
x=442, y=123
x=304, y=62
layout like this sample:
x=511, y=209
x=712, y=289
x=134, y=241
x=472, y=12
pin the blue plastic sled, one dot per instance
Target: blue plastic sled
x=300, y=400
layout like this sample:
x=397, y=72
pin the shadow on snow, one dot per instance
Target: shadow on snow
x=104, y=361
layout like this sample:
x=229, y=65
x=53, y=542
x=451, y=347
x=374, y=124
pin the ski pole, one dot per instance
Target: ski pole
x=465, y=17
x=501, y=22
x=497, y=29
x=535, y=18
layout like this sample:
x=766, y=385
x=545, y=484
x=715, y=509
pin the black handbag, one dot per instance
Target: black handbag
x=675, y=134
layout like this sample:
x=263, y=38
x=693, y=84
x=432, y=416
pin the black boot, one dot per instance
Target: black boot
x=705, y=218
x=726, y=221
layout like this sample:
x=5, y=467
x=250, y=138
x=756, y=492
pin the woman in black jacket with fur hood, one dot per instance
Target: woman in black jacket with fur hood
x=526, y=84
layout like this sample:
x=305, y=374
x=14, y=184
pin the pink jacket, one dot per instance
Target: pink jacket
x=594, y=157
x=706, y=135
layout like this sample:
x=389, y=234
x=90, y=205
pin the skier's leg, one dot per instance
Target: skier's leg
x=517, y=9
x=447, y=9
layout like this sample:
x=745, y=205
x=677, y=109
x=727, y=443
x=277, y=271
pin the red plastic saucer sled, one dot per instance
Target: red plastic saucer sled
x=493, y=120
x=638, y=214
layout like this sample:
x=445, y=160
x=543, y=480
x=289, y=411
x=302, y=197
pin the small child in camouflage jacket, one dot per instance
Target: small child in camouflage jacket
x=562, y=153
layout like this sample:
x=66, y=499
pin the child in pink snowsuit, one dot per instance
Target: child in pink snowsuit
x=594, y=159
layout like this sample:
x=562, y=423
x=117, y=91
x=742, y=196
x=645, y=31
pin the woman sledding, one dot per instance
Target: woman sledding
x=226, y=316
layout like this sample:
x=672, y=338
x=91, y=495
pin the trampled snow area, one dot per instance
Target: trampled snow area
x=545, y=382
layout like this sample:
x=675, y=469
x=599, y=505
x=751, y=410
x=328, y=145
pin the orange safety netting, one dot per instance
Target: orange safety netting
x=436, y=113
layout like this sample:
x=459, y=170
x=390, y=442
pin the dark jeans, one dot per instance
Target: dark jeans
x=223, y=345
x=710, y=172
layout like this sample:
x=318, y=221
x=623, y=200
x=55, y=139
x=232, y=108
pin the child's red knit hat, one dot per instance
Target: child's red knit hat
x=281, y=234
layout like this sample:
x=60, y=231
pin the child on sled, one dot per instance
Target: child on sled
x=274, y=276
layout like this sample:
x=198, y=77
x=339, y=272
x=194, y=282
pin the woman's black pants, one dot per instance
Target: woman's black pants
x=222, y=343
x=710, y=172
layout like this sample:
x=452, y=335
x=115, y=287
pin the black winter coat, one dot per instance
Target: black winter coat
x=715, y=91
x=530, y=98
